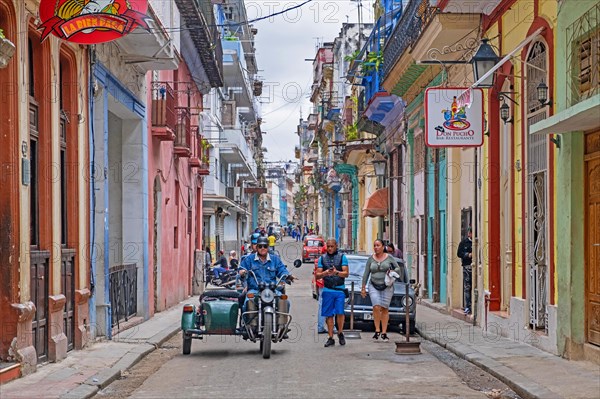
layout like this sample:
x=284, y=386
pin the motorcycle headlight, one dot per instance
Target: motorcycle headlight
x=404, y=300
x=267, y=296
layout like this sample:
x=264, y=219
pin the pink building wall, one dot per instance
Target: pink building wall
x=179, y=197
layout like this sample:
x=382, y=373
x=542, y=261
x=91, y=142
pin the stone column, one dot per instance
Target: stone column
x=21, y=348
x=57, y=343
x=82, y=318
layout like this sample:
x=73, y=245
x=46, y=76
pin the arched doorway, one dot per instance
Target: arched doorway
x=156, y=247
x=537, y=190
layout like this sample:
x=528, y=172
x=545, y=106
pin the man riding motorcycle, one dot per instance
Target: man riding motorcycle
x=268, y=268
x=262, y=267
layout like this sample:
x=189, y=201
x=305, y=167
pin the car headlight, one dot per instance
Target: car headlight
x=267, y=296
x=410, y=301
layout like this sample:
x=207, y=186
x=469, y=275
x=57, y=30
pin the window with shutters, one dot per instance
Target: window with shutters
x=583, y=63
x=589, y=65
x=419, y=153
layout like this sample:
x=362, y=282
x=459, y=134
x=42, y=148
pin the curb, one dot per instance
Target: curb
x=514, y=380
x=101, y=380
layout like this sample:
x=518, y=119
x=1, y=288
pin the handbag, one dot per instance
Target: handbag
x=390, y=277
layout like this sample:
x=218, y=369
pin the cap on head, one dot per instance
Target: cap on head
x=254, y=237
x=262, y=240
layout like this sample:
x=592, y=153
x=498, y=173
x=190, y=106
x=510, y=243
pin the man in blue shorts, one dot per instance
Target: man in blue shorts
x=333, y=269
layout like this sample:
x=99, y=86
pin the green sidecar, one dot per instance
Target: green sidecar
x=217, y=314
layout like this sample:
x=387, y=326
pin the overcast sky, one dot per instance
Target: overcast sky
x=282, y=44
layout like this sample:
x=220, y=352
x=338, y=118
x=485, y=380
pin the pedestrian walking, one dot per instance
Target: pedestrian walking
x=376, y=269
x=333, y=269
x=272, y=241
x=392, y=250
x=464, y=252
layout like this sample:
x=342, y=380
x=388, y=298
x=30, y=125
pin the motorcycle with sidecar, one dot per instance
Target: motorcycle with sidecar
x=266, y=318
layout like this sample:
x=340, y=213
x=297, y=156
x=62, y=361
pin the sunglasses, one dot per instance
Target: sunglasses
x=262, y=246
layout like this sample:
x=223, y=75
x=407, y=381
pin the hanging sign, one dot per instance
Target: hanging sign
x=91, y=21
x=452, y=122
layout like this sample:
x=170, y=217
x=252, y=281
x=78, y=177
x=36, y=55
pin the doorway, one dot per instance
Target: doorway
x=592, y=237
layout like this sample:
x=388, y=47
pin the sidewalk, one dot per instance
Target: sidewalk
x=85, y=372
x=530, y=372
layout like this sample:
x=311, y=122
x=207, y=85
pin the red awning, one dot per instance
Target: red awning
x=377, y=204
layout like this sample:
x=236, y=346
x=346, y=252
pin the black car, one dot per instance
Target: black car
x=363, y=310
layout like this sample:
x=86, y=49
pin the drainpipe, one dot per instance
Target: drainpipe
x=475, y=249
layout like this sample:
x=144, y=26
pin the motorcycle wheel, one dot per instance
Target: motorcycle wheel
x=266, y=341
x=187, y=344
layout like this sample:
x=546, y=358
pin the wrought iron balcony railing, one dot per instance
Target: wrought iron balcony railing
x=414, y=19
x=163, y=104
x=203, y=29
x=183, y=133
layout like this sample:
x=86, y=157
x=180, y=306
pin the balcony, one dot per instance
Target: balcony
x=234, y=150
x=399, y=67
x=312, y=121
x=205, y=36
x=198, y=150
x=235, y=72
x=447, y=37
x=163, y=111
x=183, y=133
x=151, y=49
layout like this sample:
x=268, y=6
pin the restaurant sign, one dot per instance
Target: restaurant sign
x=453, y=117
x=91, y=21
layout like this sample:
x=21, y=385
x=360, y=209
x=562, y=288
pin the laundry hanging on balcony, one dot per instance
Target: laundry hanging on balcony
x=377, y=204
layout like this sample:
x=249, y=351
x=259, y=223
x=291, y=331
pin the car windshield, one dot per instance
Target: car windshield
x=313, y=243
x=356, y=267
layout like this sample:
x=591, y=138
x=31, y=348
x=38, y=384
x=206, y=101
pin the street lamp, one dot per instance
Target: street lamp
x=505, y=113
x=483, y=61
x=542, y=94
x=379, y=166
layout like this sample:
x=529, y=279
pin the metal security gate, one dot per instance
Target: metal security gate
x=537, y=188
x=40, y=261
x=220, y=234
x=68, y=290
x=123, y=292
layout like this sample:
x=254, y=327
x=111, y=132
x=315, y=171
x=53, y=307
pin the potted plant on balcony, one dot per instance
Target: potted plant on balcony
x=7, y=50
x=351, y=132
x=373, y=61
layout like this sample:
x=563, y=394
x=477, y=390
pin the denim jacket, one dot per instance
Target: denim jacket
x=267, y=272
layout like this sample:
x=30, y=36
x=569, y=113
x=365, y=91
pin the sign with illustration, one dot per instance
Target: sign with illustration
x=453, y=117
x=91, y=21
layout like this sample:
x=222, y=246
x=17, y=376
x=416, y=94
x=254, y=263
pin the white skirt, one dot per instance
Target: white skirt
x=381, y=298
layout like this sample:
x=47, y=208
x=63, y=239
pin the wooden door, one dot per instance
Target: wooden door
x=592, y=238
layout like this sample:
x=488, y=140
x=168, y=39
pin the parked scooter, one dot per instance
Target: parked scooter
x=226, y=279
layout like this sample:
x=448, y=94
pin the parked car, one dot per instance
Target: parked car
x=314, y=246
x=363, y=309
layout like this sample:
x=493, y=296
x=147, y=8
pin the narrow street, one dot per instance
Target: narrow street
x=230, y=367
